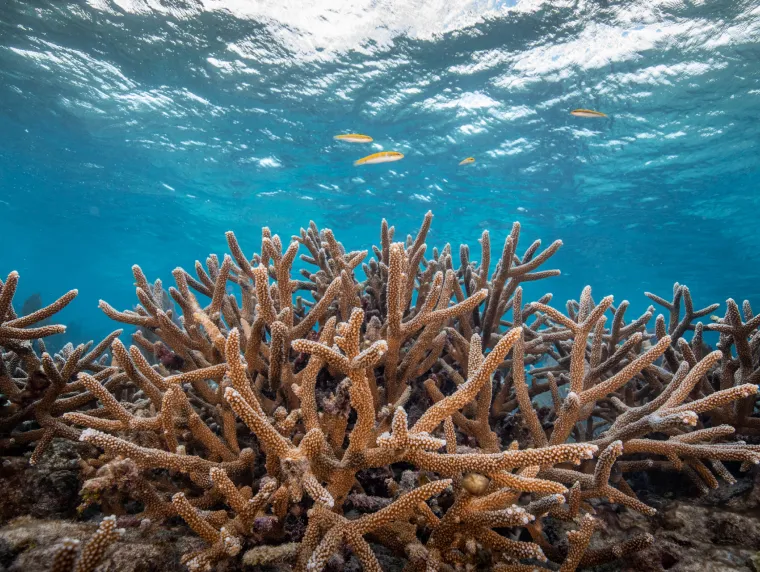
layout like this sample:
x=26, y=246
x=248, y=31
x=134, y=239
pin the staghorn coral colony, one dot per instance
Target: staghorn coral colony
x=414, y=403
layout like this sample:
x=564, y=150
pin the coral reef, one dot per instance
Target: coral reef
x=32, y=386
x=415, y=412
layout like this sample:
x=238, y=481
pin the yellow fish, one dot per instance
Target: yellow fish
x=467, y=161
x=354, y=138
x=382, y=157
x=587, y=113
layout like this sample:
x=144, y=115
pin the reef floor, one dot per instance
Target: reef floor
x=719, y=531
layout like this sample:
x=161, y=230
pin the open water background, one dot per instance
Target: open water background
x=139, y=131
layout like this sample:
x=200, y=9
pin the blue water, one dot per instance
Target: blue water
x=139, y=131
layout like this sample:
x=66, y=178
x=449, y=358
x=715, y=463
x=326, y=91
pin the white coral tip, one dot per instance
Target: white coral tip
x=88, y=433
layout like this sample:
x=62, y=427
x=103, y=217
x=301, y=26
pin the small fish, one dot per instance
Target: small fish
x=354, y=138
x=382, y=157
x=715, y=318
x=587, y=113
x=467, y=161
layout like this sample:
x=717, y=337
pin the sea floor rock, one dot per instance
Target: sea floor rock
x=49, y=489
x=28, y=544
x=717, y=532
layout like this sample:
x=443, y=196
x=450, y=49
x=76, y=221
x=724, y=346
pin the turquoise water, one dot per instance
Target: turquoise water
x=139, y=131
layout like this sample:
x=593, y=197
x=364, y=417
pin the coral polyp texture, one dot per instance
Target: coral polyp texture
x=406, y=404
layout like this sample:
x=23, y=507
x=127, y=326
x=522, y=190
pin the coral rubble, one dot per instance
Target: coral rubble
x=414, y=407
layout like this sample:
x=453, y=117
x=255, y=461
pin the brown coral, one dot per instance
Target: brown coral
x=267, y=409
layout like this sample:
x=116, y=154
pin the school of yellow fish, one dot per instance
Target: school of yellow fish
x=390, y=156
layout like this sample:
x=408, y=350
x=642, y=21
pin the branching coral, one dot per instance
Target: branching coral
x=267, y=419
x=35, y=387
x=92, y=553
